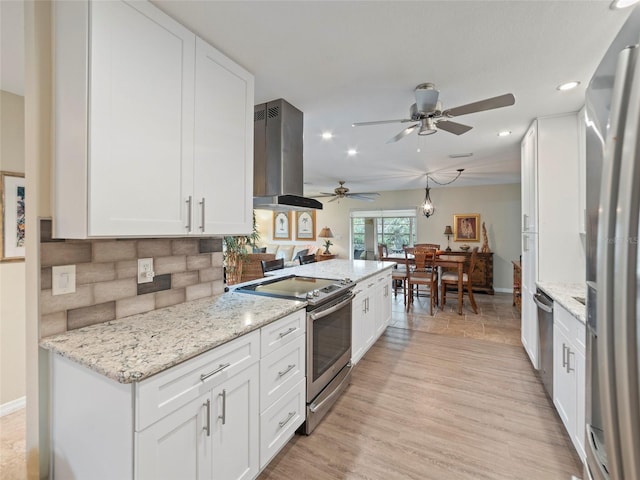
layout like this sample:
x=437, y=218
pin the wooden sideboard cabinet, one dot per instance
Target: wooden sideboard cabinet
x=482, y=276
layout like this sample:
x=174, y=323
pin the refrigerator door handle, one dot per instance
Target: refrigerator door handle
x=625, y=328
x=607, y=252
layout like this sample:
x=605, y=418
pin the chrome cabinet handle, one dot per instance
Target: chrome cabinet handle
x=525, y=222
x=189, y=213
x=284, y=334
x=564, y=356
x=202, y=213
x=221, y=367
x=525, y=242
x=569, y=353
x=371, y=284
x=208, y=426
x=364, y=305
x=286, y=420
x=286, y=370
x=224, y=406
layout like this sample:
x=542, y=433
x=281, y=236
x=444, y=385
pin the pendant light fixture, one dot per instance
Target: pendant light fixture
x=428, y=208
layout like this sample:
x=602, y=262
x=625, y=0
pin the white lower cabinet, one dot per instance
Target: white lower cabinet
x=178, y=446
x=234, y=426
x=569, y=367
x=221, y=415
x=370, y=313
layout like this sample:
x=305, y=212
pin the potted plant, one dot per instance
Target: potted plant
x=235, y=252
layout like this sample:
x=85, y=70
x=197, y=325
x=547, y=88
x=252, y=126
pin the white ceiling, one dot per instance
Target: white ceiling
x=352, y=61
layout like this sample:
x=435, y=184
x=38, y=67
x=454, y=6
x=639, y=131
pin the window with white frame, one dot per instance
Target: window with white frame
x=393, y=228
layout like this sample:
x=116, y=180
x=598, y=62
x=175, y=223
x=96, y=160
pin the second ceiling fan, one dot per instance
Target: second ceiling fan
x=428, y=113
x=343, y=192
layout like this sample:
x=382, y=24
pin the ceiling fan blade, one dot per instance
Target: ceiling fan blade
x=453, y=127
x=357, y=196
x=334, y=199
x=426, y=99
x=487, y=104
x=403, y=133
x=381, y=122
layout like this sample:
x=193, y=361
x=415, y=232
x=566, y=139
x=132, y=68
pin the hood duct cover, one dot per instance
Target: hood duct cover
x=277, y=158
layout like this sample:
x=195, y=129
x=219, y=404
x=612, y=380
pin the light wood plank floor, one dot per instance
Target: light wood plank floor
x=442, y=397
x=432, y=401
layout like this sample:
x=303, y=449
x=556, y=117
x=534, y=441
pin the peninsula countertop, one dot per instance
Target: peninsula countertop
x=134, y=348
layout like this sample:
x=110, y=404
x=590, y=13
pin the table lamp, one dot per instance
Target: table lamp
x=448, y=232
x=327, y=234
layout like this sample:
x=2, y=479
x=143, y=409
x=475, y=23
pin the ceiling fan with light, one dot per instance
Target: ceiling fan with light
x=343, y=192
x=428, y=113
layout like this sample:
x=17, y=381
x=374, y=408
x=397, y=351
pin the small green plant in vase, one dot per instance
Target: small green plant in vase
x=327, y=244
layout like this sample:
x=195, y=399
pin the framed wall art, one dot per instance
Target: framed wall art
x=12, y=221
x=306, y=225
x=466, y=227
x=282, y=225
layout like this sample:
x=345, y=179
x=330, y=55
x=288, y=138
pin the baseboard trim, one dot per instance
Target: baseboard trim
x=503, y=290
x=12, y=406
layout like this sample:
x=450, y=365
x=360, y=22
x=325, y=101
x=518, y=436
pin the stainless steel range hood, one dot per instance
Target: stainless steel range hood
x=277, y=158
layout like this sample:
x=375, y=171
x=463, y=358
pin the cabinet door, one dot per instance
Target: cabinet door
x=141, y=121
x=177, y=446
x=381, y=310
x=529, y=180
x=235, y=416
x=580, y=371
x=223, y=148
x=358, y=316
x=564, y=381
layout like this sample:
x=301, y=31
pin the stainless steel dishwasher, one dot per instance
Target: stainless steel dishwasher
x=545, y=329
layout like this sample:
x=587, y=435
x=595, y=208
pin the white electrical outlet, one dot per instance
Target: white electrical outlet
x=145, y=270
x=63, y=279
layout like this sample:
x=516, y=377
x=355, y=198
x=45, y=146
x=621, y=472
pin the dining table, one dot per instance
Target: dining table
x=443, y=260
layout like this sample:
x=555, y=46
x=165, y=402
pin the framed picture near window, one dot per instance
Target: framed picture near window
x=306, y=225
x=12, y=220
x=466, y=227
x=282, y=225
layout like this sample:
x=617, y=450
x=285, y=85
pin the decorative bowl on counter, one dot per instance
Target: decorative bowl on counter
x=464, y=248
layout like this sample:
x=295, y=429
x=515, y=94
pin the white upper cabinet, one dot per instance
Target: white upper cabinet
x=149, y=140
x=223, y=152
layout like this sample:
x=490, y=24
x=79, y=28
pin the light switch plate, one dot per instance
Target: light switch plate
x=63, y=279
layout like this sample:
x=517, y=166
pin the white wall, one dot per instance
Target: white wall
x=498, y=206
x=12, y=274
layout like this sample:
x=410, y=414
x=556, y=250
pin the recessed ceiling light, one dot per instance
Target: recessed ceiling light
x=351, y=152
x=327, y=135
x=504, y=133
x=618, y=4
x=418, y=150
x=568, y=86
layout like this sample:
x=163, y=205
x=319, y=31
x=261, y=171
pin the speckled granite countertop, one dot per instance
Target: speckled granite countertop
x=356, y=270
x=563, y=293
x=134, y=348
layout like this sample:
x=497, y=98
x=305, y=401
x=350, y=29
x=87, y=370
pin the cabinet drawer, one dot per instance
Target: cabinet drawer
x=279, y=423
x=281, y=370
x=574, y=329
x=281, y=332
x=169, y=390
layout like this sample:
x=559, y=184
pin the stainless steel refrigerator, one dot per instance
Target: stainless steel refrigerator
x=612, y=118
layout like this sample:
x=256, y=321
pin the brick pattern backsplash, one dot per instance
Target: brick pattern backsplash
x=106, y=277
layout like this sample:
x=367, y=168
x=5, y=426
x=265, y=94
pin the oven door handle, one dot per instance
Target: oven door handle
x=314, y=407
x=330, y=310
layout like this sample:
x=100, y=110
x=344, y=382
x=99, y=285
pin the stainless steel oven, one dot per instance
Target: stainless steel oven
x=328, y=357
x=328, y=336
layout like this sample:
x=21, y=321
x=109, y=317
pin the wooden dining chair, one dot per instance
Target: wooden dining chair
x=451, y=278
x=305, y=259
x=423, y=274
x=271, y=265
x=399, y=277
x=382, y=251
